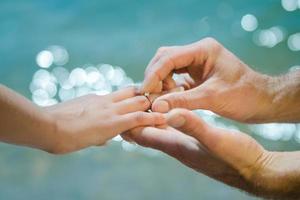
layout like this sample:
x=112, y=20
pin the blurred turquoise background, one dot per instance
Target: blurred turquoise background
x=264, y=34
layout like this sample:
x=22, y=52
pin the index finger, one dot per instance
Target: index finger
x=172, y=59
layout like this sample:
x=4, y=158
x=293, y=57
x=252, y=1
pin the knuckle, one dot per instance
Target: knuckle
x=210, y=40
x=140, y=117
x=96, y=99
x=215, y=45
x=158, y=117
x=162, y=50
x=166, y=59
x=178, y=101
x=142, y=101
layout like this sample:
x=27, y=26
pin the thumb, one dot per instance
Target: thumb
x=191, y=124
x=195, y=98
x=236, y=148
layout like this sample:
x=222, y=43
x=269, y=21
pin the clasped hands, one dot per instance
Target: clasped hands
x=214, y=79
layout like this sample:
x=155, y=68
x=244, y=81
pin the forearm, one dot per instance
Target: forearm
x=276, y=99
x=23, y=123
x=279, y=177
x=286, y=102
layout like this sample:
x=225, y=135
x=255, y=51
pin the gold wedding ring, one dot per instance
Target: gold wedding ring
x=147, y=95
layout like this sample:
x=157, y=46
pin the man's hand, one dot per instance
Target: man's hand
x=225, y=155
x=217, y=80
x=72, y=125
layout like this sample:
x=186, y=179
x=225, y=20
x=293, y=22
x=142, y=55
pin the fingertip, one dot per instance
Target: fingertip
x=187, y=121
x=133, y=135
x=179, y=111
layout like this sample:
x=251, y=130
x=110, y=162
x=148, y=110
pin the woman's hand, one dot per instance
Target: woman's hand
x=72, y=125
x=231, y=157
x=216, y=80
x=92, y=120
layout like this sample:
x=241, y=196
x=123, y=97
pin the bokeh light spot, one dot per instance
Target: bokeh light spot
x=44, y=59
x=294, y=42
x=290, y=5
x=249, y=22
x=60, y=55
x=269, y=37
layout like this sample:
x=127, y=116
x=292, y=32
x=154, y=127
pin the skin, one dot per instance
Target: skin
x=73, y=125
x=231, y=157
x=216, y=80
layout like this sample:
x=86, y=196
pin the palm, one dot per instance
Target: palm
x=190, y=152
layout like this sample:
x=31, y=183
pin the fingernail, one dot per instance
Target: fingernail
x=176, y=121
x=160, y=106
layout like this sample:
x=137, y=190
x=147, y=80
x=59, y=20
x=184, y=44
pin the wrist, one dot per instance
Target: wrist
x=61, y=135
x=286, y=95
x=276, y=175
x=52, y=135
x=50, y=132
x=275, y=99
x=260, y=89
